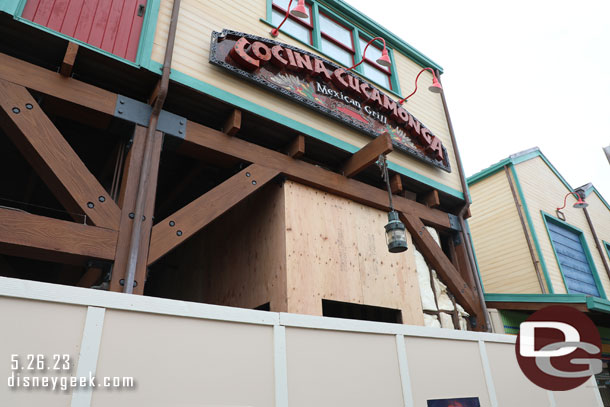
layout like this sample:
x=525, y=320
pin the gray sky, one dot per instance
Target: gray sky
x=518, y=74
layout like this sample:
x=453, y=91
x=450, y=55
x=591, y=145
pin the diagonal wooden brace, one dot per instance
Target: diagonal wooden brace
x=435, y=256
x=52, y=157
x=178, y=227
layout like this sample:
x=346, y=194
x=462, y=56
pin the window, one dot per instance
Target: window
x=299, y=28
x=336, y=39
x=573, y=257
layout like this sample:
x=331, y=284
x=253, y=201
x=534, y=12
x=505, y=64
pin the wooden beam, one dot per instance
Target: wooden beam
x=90, y=278
x=200, y=140
x=431, y=199
x=437, y=259
x=68, y=63
x=52, y=83
x=178, y=227
x=43, y=238
x=410, y=195
x=296, y=148
x=52, y=157
x=127, y=198
x=395, y=184
x=233, y=123
x=367, y=155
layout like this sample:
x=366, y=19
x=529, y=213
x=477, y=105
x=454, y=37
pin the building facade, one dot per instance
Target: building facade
x=168, y=162
x=534, y=249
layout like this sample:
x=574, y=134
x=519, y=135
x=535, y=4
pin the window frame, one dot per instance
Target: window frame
x=356, y=33
x=547, y=218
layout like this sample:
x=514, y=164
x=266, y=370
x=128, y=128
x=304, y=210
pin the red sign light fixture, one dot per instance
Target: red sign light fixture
x=434, y=88
x=383, y=60
x=299, y=11
x=580, y=203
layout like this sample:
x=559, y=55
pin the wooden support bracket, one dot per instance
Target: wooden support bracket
x=296, y=148
x=68, y=63
x=395, y=184
x=52, y=157
x=367, y=155
x=178, y=227
x=34, y=236
x=431, y=199
x=437, y=259
x=233, y=123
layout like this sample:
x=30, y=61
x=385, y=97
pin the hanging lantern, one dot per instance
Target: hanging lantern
x=395, y=234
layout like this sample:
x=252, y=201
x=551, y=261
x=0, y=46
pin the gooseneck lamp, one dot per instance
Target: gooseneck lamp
x=434, y=88
x=395, y=234
x=383, y=60
x=580, y=203
x=299, y=11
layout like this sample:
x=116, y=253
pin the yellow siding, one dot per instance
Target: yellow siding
x=543, y=191
x=199, y=18
x=600, y=215
x=501, y=248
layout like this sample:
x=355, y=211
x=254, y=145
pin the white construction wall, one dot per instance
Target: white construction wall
x=191, y=354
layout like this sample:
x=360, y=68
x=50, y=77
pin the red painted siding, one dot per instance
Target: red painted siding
x=112, y=25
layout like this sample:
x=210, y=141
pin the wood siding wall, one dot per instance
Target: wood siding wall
x=336, y=250
x=600, y=215
x=504, y=260
x=199, y=18
x=544, y=192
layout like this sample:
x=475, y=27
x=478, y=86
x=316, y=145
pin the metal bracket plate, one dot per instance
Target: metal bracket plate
x=139, y=113
x=454, y=223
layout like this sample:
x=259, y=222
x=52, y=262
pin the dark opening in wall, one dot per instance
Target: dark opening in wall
x=348, y=310
x=264, y=307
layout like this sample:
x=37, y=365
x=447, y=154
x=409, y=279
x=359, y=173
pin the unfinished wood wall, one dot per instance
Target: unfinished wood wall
x=336, y=250
x=238, y=260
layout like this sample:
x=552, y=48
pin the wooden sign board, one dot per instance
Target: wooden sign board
x=327, y=88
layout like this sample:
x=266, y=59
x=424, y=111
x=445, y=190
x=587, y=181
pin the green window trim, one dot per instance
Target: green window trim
x=607, y=247
x=357, y=32
x=147, y=35
x=546, y=217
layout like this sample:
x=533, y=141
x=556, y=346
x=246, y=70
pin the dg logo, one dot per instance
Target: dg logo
x=559, y=348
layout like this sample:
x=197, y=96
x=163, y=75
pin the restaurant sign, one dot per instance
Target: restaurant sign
x=328, y=88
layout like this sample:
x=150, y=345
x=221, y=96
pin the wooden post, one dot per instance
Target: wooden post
x=233, y=123
x=69, y=58
x=127, y=199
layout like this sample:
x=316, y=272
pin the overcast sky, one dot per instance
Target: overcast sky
x=518, y=74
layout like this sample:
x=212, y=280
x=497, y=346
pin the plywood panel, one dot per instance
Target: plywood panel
x=336, y=250
x=197, y=21
x=238, y=260
x=534, y=173
x=328, y=369
x=179, y=361
x=504, y=259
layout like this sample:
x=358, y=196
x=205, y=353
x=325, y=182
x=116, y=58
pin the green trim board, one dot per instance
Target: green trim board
x=512, y=159
x=145, y=45
x=255, y=108
x=549, y=218
x=607, y=247
x=10, y=6
x=592, y=303
x=532, y=229
x=590, y=189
